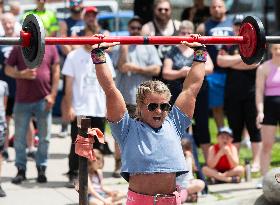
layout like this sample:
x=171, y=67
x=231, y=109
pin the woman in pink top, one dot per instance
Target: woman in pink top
x=268, y=104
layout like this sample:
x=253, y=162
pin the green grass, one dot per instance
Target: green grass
x=244, y=152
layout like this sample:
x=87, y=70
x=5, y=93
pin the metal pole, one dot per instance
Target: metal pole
x=272, y=39
x=10, y=41
x=153, y=40
x=83, y=125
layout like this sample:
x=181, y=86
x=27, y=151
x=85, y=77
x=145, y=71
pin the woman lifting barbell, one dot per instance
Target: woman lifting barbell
x=150, y=145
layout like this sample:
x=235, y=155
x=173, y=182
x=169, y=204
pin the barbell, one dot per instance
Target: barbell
x=252, y=40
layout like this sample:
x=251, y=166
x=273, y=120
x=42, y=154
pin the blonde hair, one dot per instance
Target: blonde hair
x=148, y=87
x=99, y=157
x=186, y=24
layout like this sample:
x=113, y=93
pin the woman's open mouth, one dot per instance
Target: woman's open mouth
x=157, y=118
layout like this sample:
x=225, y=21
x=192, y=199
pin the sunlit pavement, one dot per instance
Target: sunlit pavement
x=55, y=193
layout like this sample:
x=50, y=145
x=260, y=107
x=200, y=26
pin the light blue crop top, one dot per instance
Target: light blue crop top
x=146, y=151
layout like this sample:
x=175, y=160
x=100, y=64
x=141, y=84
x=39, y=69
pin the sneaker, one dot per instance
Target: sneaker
x=117, y=174
x=19, y=177
x=72, y=181
x=246, y=142
x=41, y=174
x=42, y=178
x=259, y=184
x=62, y=134
x=2, y=193
x=31, y=155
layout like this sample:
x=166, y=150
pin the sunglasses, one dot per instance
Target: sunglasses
x=163, y=106
x=163, y=9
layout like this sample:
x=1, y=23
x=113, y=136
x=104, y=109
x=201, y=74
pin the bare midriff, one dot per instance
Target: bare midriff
x=152, y=184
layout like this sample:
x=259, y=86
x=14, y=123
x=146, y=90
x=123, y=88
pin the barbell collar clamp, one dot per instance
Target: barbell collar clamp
x=25, y=38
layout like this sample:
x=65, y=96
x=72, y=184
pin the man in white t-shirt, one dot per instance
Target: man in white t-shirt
x=83, y=96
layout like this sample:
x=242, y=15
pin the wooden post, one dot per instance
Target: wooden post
x=83, y=124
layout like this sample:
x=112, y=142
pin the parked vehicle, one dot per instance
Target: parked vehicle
x=115, y=22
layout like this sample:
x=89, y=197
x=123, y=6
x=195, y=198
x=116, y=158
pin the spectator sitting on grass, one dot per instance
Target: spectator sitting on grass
x=189, y=186
x=223, y=162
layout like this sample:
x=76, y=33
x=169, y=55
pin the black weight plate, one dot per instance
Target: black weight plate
x=260, y=42
x=34, y=54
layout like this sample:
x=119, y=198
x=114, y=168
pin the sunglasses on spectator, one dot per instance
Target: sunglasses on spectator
x=163, y=107
x=163, y=9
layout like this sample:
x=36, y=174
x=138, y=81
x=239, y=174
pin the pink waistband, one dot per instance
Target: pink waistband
x=134, y=198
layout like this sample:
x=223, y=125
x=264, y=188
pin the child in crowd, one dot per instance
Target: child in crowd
x=3, y=126
x=98, y=194
x=189, y=186
x=223, y=162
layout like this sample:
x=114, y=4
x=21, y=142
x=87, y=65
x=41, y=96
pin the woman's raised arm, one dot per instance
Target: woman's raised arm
x=114, y=100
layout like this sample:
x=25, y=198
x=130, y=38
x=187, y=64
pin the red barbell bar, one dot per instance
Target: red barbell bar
x=252, y=40
x=154, y=40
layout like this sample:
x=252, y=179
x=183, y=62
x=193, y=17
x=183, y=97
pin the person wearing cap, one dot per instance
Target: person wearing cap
x=90, y=19
x=240, y=95
x=223, y=162
x=48, y=18
x=90, y=23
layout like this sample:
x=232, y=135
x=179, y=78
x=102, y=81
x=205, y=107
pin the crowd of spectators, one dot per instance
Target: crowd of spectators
x=229, y=91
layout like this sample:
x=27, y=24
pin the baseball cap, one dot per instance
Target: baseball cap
x=90, y=9
x=238, y=19
x=73, y=3
x=226, y=130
